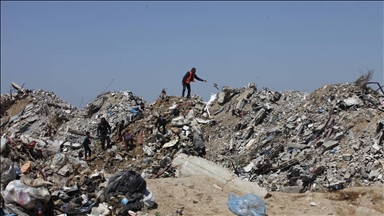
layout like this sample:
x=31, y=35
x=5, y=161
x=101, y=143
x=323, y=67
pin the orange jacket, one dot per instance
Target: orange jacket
x=190, y=78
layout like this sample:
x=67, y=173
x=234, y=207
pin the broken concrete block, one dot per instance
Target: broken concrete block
x=246, y=94
x=199, y=107
x=250, y=143
x=330, y=144
x=376, y=146
x=228, y=89
x=222, y=98
x=339, y=136
x=240, y=105
x=290, y=126
x=248, y=133
x=249, y=167
x=252, y=85
x=192, y=165
x=347, y=157
x=260, y=116
x=17, y=87
x=380, y=125
x=352, y=101
x=374, y=173
x=296, y=145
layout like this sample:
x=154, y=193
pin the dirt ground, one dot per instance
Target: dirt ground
x=201, y=195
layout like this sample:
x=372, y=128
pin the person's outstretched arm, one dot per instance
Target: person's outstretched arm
x=198, y=78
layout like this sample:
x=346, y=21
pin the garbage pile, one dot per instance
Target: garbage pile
x=283, y=141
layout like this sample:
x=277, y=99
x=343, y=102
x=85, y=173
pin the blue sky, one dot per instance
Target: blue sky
x=75, y=49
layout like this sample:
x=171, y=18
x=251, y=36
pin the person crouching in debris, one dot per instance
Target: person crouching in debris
x=135, y=110
x=86, y=144
x=128, y=140
x=160, y=124
x=163, y=94
x=120, y=128
x=103, y=131
x=190, y=76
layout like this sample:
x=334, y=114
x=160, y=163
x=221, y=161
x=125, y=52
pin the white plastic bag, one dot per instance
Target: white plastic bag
x=17, y=192
x=58, y=161
x=149, y=200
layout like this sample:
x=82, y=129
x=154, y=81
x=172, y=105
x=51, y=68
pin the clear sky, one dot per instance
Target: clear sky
x=75, y=49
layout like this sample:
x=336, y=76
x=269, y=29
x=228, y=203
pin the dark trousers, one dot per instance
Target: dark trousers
x=87, y=150
x=188, y=86
x=104, y=137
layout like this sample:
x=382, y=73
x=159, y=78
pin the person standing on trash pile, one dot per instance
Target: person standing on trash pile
x=128, y=140
x=135, y=110
x=86, y=144
x=190, y=76
x=160, y=124
x=103, y=131
x=120, y=128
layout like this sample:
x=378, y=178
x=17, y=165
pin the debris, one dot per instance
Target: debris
x=257, y=140
x=127, y=183
x=17, y=192
x=26, y=167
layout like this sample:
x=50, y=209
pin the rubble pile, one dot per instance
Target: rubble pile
x=38, y=113
x=114, y=106
x=324, y=140
x=283, y=141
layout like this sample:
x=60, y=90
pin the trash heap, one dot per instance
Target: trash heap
x=288, y=141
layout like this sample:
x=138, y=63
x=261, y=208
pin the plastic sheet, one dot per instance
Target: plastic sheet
x=249, y=205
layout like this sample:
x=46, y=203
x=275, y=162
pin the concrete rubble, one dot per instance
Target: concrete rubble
x=287, y=141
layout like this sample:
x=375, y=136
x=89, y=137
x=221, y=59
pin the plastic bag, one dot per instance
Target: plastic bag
x=8, y=172
x=13, y=210
x=17, y=170
x=149, y=200
x=249, y=205
x=58, y=161
x=77, y=161
x=17, y=192
x=53, y=148
x=131, y=185
x=67, y=208
x=128, y=183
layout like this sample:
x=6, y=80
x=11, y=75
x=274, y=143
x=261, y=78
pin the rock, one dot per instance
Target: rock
x=313, y=204
x=330, y=145
x=240, y=105
x=374, y=173
x=222, y=98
